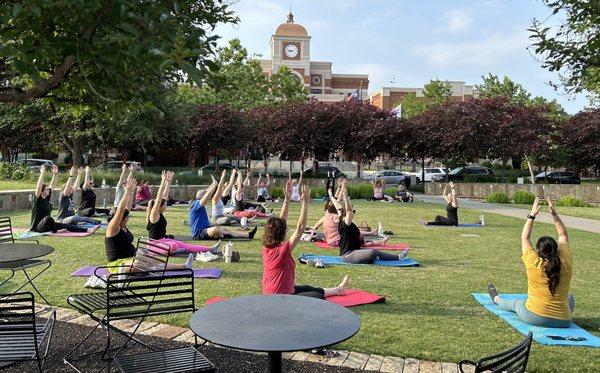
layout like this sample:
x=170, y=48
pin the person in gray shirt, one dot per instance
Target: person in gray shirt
x=66, y=206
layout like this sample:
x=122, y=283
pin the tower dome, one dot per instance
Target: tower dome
x=289, y=28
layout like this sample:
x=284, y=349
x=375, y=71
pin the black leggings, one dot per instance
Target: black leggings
x=48, y=224
x=143, y=202
x=309, y=291
x=367, y=256
x=91, y=211
x=440, y=220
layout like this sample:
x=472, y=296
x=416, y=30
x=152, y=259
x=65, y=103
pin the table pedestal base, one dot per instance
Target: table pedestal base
x=274, y=365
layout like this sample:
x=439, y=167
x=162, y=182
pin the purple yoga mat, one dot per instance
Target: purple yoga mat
x=88, y=271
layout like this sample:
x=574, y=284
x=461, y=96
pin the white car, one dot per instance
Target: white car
x=117, y=165
x=390, y=176
x=429, y=173
x=36, y=164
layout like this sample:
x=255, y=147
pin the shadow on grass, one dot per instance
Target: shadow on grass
x=588, y=323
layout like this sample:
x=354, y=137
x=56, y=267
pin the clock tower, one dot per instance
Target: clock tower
x=290, y=46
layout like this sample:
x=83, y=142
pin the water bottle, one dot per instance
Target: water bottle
x=482, y=219
x=244, y=222
x=104, y=185
x=379, y=228
x=228, y=252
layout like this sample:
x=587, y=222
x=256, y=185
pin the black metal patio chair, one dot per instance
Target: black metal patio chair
x=511, y=360
x=145, y=291
x=22, y=336
x=6, y=236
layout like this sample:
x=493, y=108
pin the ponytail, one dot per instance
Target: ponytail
x=548, y=250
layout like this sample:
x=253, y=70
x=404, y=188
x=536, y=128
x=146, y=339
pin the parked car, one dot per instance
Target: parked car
x=558, y=177
x=117, y=165
x=35, y=164
x=213, y=168
x=459, y=173
x=322, y=171
x=429, y=173
x=389, y=176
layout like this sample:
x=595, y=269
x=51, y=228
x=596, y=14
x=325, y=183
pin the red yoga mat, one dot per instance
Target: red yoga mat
x=389, y=246
x=353, y=297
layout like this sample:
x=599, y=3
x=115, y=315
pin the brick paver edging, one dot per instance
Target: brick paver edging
x=349, y=359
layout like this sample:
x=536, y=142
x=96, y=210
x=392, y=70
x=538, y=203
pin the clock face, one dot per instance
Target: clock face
x=316, y=80
x=291, y=50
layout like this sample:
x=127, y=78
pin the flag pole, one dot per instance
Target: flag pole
x=360, y=91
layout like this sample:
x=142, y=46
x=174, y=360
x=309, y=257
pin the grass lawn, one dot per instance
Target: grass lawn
x=581, y=212
x=429, y=313
x=17, y=184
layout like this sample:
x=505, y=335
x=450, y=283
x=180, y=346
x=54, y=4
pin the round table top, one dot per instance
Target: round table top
x=13, y=252
x=274, y=323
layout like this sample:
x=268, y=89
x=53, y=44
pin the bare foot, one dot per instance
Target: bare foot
x=341, y=288
x=384, y=241
x=62, y=231
x=92, y=230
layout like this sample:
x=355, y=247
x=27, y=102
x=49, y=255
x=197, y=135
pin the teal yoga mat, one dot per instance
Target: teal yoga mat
x=540, y=334
x=336, y=260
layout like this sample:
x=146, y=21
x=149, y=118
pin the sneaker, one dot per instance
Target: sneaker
x=492, y=292
x=403, y=254
x=207, y=257
x=319, y=264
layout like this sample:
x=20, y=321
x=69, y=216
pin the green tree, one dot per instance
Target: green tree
x=286, y=88
x=493, y=87
x=435, y=92
x=111, y=47
x=573, y=47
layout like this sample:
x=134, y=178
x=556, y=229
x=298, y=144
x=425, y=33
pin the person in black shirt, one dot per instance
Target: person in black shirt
x=87, y=205
x=351, y=242
x=118, y=240
x=41, y=221
x=451, y=209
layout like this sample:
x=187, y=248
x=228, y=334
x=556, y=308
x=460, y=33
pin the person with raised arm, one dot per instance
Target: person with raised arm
x=296, y=187
x=41, y=208
x=378, y=188
x=217, y=216
x=120, y=188
x=549, y=269
x=200, y=225
x=118, y=239
x=227, y=190
x=87, y=205
x=143, y=196
x=278, y=264
x=246, y=209
x=156, y=223
x=66, y=207
x=351, y=242
x=262, y=189
x=451, y=208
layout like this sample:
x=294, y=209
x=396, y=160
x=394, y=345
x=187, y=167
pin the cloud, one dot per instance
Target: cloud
x=492, y=50
x=257, y=12
x=456, y=21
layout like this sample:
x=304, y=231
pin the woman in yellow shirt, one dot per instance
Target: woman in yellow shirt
x=549, y=269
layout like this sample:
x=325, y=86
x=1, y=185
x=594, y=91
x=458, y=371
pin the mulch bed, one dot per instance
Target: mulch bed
x=67, y=335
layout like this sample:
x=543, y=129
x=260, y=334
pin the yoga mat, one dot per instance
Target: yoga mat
x=353, y=297
x=29, y=234
x=463, y=225
x=184, y=238
x=88, y=271
x=336, y=260
x=90, y=225
x=540, y=334
x=389, y=246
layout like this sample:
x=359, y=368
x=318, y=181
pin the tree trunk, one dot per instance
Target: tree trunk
x=291, y=166
x=423, y=170
x=530, y=167
x=76, y=148
x=358, y=168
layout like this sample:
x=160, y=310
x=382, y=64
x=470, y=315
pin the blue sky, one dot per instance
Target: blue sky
x=408, y=42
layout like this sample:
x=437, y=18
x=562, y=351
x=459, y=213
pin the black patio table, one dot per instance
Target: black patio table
x=274, y=324
x=14, y=252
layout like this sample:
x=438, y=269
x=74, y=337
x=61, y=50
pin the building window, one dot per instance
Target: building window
x=316, y=91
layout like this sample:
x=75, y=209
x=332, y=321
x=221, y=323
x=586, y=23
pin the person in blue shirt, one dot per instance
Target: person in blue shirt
x=200, y=225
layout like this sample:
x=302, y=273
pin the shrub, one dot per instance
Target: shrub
x=498, y=197
x=487, y=164
x=14, y=171
x=523, y=197
x=572, y=202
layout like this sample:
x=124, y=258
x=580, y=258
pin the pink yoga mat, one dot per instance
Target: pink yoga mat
x=389, y=246
x=353, y=297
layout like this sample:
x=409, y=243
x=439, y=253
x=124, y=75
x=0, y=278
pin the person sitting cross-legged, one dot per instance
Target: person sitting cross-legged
x=549, y=269
x=278, y=264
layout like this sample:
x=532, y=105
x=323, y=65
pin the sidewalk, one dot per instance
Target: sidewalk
x=588, y=225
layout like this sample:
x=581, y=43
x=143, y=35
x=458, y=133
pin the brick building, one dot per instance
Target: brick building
x=290, y=46
x=390, y=97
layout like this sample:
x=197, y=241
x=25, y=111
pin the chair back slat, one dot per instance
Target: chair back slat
x=151, y=255
x=512, y=360
x=150, y=293
x=17, y=312
x=6, y=233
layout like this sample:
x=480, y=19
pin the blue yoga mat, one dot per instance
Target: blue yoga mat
x=90, y=225
x=336, y=260
x=540, y=334
x=29, y=234
x=464, y=225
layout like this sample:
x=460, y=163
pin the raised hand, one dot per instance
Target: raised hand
x=551, y=207
x=42, y=169
x=80, y=170
x=54, y=169
x=535, y=209
x=131, y=168
x=170, y=176
x=72, y=171
x=163, y=176
x=305, y=197
x=452, y=184
x=124, y=167
x=87, y=168
x=130, y=184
